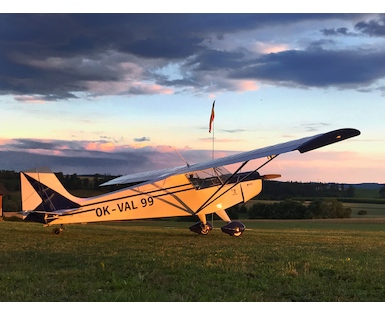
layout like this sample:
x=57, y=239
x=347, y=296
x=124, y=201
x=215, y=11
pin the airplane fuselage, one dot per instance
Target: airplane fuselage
x=174, y=196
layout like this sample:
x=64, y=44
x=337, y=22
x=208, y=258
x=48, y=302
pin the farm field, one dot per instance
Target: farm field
x=304, y=260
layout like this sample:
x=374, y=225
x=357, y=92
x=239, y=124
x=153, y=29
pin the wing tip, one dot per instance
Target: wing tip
x=328, y=138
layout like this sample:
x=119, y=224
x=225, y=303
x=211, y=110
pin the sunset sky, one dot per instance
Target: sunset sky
x=116, y=93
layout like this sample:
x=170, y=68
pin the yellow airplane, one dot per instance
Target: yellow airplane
x=189, y=190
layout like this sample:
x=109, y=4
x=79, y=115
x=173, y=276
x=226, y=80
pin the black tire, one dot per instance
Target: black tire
x=56, y=231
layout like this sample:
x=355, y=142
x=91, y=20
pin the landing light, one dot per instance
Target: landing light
x=219, y=206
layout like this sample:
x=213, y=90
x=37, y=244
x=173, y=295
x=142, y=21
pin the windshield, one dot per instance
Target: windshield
x=209, y=177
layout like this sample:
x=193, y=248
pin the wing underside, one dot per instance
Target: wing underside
x=302, y=145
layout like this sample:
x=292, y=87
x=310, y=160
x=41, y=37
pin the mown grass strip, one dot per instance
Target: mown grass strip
x=318, y=260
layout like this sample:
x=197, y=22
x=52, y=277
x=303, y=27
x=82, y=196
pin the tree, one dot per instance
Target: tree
x=350, y=191
x=382, y=191
x=328, y=208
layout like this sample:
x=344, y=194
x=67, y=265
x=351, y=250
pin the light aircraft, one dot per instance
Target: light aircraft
x=189, y=190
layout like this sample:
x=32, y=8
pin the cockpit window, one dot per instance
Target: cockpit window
x=209, y=177
x=219, y=176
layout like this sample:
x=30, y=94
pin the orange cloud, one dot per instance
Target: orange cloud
x=246, y=85
x=125, y=87
x=267, y=48
x=100, y=146
x=33, y=99
x=4, y=141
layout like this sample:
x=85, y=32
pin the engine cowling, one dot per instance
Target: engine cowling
x=234, y=228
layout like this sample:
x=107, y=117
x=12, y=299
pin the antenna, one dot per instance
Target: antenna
x=188, y=165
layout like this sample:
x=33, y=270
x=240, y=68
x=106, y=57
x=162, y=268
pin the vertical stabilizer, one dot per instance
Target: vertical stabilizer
x=41, y=190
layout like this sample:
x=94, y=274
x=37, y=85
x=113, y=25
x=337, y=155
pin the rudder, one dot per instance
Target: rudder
x=42, y=191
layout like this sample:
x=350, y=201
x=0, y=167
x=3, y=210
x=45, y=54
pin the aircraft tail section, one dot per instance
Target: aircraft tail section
x=42, y=192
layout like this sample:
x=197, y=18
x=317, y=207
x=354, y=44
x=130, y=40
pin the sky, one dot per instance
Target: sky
x=120, y=93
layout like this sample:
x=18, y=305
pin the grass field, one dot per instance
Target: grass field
x=315, y=260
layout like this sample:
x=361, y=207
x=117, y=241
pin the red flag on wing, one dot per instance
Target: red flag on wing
x=212, y=118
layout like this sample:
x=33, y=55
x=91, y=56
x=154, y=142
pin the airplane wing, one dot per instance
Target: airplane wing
x=302, y=145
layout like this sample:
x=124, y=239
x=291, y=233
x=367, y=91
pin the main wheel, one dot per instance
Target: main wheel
x=237, y=233
x=200, y=228
x=205, y=230
x=234, y=228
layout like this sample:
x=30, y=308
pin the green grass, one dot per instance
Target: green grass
x=319, y=260
x=366, y=193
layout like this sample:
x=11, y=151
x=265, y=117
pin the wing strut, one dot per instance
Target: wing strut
x=210, y=200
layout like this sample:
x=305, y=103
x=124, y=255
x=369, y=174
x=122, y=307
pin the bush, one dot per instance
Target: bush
x=362, y=212
x=288, y=209
x=328, y=208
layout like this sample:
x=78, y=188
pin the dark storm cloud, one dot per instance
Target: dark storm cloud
x=31, y=144
x=372, y=27
x=215, y=60
x=318, y=68
x=56, y=56
x=337, y=31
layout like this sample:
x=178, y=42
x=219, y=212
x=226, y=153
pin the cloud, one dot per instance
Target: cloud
x=314, y=127
x=233, y=130
x=317, y=68
x=50, y=57
x=372, y=27
x=90, y=157
x=344, y=31
x=142, y=139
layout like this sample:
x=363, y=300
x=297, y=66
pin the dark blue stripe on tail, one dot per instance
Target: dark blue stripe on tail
x=52, y=200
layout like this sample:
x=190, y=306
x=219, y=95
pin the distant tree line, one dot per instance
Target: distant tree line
x=291, y=209
x=326, y=208
x=275, y=190
x=11, y=180
x=382, y=192
x=87, y=182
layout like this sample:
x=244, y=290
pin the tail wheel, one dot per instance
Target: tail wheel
x=57, y=231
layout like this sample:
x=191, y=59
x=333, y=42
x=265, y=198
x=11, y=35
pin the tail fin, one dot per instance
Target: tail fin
x=41, y=191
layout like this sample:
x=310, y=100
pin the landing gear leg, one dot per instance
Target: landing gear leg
x=202, y=227
x=57, y=231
